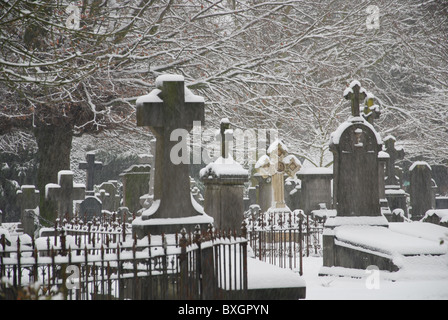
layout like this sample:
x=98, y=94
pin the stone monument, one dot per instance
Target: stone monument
x=277, y=164
x=355, y=146
x=90, y=166
x=224, y=186
x=170, y=108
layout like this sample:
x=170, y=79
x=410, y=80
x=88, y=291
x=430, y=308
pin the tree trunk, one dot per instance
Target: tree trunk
x=54, y=145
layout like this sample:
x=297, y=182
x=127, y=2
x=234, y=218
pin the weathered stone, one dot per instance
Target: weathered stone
x=420, y=189
x=135, y=184
x=316, y=188
x=224, y=186
x=90, y=166
x=28, y=199
x=170, y=109
x=62, y=194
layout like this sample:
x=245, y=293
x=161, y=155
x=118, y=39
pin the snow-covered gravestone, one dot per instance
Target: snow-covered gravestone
x=277, y=164
x=28, y=200
x=420, y=189
x=355, y=146
x=135, y=184
x=224, y=186
x=169, y=111
x=395, y=195
x=90, y=166
x=316, y=188
x=62, y=194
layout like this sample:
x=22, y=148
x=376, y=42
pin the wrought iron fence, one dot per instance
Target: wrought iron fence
x=283, y=238
x=199, y=265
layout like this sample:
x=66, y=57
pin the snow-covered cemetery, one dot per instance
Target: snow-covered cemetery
x=224, y=150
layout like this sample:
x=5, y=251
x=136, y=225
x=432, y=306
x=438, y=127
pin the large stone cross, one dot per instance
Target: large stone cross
x=355, y=93
x=277, y=164
x=394, y=155
x=90, y=166
x=169, y=107
x=64, y=193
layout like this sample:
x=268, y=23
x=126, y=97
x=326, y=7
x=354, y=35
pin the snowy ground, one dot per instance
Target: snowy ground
x=422, y=287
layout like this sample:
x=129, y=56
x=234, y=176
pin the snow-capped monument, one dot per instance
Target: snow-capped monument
x=169, y=107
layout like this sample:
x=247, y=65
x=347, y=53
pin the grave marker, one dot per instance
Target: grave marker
x=90, y=166
x=171, y=108
x=64, y=193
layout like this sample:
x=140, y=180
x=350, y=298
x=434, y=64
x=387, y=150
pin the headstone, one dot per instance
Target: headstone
x=441, y=202
x=90, y=207
x=383, y=157
x=135, y=184
x=64, y=193
x=224, y=186
x=109, y=195
x=277, y=164
x=420, y=189
x=395, y=195
x=293, y=193
x=316, y=188
x=28, y=200
x=355, y=146
x=90, y=166
x=264, y=191
x=167, y=110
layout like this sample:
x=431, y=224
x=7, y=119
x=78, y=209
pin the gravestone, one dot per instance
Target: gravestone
x=383, y=158
x=109, y=195
x=420, y=189
x=90, y=207
x=316, y=188
x=355, y=146
x=224, y=186
x=395, y=195
x=28, y=199
x=293, y=193
x=62, y=194
x=441, y=202
x=90, y=166
x=277, y=164
x=264, y=191
x=170, y=109
x=135, y=184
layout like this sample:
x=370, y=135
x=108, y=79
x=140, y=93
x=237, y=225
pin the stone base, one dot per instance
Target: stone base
x=141, y=228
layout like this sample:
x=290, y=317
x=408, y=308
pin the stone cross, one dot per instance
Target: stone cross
x=276, y=164
x=170, y=107
x=394, y=155
x=28, y=198
x=64, y=193
x=371, y=110
x=355, y=94
x=90, y=166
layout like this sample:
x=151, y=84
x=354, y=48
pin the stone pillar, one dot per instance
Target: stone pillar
x=224, y=186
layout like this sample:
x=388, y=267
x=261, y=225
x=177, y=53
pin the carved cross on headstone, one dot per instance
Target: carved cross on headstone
x=394, y=155
x=90, y=166
x=277, y=164
x=355, y=93
x=169, y=107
